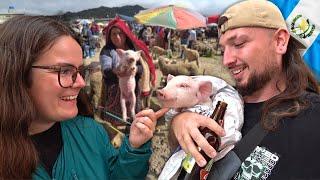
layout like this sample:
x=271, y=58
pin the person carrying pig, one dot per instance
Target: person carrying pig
x=119, y=36
x=280, y=93
x=200, y=94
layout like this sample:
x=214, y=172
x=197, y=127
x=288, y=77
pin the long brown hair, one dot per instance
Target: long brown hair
x=22, y=40
x=298, y=79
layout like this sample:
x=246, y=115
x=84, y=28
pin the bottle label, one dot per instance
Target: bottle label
x=188, y=163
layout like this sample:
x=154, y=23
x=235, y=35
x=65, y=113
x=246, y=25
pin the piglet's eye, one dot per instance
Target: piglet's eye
x=183, y=85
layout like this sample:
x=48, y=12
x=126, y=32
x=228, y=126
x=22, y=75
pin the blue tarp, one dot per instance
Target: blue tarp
x=126, y=18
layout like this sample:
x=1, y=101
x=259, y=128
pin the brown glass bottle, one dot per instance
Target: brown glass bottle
x=212, y=138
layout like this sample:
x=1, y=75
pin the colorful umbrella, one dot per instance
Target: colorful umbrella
x=172, y=17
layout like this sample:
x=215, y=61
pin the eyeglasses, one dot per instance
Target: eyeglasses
x=67, y=75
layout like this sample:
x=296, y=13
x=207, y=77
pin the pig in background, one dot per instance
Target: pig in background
x=126, y=71
x=200, y=94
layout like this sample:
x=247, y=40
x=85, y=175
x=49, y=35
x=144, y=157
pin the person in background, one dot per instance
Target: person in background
x=192, y=38
x=42, y=134
x=279, y=92
x=95, y=29
x=119, y=36
x=184, y=40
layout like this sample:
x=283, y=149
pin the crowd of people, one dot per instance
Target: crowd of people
x=46, y=133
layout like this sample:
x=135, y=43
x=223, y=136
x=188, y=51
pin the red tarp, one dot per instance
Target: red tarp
x=212, y=19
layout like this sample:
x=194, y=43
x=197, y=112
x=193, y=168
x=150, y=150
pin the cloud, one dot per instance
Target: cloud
x=50, y=7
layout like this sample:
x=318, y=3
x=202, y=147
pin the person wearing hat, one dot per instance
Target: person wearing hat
x=279, y=92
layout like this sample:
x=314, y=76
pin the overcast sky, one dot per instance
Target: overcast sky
x=50, y=7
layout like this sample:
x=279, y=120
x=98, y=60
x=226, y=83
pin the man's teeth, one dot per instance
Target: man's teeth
x=69, y=98
x=237, y=71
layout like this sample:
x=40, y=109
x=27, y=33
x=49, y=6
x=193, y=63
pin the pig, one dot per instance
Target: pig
x=200, y=94
x=184, y=92
x=126, y=71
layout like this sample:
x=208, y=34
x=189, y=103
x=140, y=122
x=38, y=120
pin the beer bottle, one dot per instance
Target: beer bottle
x=190, y=170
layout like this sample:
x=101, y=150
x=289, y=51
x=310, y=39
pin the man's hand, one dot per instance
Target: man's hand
x=185, y=127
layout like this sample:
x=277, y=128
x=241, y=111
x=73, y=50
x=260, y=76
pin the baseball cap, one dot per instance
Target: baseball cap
x=254, y=13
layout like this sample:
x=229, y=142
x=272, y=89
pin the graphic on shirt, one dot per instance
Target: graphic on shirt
x=258, y=165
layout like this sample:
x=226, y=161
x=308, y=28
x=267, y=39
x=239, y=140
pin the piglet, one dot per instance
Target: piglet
x=126, y=71
x=184, y=92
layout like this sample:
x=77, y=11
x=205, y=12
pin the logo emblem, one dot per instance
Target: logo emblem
x=302, y=27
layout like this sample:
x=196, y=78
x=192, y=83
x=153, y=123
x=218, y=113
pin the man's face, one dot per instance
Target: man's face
x=250, y=57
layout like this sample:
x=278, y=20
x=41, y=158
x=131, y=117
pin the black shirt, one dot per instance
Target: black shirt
x=48, y=145
x=290, y=152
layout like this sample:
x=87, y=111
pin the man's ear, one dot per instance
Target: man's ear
x=281, y=37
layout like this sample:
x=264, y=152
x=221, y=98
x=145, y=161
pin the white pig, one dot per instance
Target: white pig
x=184, y=92
x=126, y=71
x=200, y=94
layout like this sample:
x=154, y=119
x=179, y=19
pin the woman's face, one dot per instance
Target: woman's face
x=53, y=102
x=118, y=38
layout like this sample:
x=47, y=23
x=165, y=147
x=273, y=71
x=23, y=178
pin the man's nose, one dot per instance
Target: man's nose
x=228, y=57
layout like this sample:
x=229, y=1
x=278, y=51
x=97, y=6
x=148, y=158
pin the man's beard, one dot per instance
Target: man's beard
x=257, y=81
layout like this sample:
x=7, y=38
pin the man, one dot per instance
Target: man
x=279, y=92
x=192, y=37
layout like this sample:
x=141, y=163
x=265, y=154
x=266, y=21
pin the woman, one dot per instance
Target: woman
x=119, y=36
x=41, y=135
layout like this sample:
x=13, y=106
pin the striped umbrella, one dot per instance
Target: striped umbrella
x=172, y=17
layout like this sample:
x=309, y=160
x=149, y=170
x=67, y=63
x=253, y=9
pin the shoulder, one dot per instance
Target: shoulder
x=313, y=101
x=81, y=123
x=106, y=51
x=312, y=97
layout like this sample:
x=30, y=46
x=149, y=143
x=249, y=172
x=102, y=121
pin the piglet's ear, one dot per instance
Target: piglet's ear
x=169, y=77
x=140, y=52
x=140, y=55
x=205, y=90
x=120, y=52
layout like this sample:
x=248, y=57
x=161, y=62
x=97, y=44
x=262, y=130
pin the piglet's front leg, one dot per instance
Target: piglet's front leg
x=133, y=105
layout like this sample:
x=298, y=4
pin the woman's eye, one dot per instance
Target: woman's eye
x=66, y=71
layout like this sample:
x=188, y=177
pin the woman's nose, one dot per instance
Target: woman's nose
x=80, y=82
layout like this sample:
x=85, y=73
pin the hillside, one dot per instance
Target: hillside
x=101, y=12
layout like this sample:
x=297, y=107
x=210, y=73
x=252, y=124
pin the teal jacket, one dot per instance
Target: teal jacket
x=88, y=154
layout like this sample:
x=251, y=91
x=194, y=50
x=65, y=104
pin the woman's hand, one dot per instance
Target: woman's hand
x=143, y=126
x=185, y=127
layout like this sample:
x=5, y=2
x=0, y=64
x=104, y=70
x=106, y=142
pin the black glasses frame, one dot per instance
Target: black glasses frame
x=56, y=68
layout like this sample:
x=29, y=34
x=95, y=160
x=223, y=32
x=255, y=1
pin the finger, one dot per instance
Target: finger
x=194, y=151
x=143, y=128
x=212, y=125
x=145, y=112
x=161, y=112
x=202, y=142
x=146, y=121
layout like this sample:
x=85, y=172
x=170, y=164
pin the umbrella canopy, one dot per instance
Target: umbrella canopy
x=172, y=17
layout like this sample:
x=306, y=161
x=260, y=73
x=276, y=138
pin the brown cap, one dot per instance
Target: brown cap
x=253, y=13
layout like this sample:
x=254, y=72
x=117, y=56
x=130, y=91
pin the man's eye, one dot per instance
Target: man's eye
x=238, y=45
